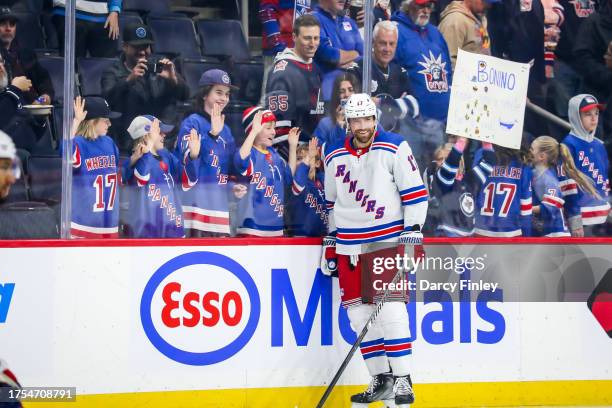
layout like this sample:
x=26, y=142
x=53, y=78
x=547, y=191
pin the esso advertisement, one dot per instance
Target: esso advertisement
x=200, y=308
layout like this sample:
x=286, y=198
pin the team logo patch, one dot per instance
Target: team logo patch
x=434, y=73
x=225, y=79
x=526, y=5
x=347, y=26
x=141, y=32
x=466, y=203
x=280, y=66
x=583, y=8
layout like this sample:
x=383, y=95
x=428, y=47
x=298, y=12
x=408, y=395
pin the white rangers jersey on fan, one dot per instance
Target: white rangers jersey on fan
x=372, y=194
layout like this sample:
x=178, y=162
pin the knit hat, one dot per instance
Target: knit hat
x=249, y=115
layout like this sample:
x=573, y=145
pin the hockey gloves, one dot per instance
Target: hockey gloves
x=411, y=244
x=329, y=259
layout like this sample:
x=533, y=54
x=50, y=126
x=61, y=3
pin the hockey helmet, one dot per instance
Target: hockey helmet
x=360, y=106
x=7, y=147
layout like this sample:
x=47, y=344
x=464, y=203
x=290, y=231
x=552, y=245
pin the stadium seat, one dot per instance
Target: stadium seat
x=148, y=6
x=90, y=73
x=19, y=190
x=45, y=178
x=192, y=70
x=248, y=76
x=28, y=220
x=55, y=66
x=174, y=36
x=223, y=38
x=29, y=31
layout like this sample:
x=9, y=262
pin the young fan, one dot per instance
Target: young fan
x=261, y=212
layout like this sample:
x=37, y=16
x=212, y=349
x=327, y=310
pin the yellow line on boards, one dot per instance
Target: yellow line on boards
x=493, y=394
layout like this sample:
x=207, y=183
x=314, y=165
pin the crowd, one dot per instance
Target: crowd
x=143, y=167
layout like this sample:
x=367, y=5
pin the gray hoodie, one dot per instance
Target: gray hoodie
x=573, y=113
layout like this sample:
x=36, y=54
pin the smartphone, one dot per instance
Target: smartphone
x=154, y=67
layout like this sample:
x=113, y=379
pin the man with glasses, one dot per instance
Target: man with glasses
x=139, y=84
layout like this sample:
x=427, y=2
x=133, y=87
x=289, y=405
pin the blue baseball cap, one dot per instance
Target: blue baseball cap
x=216, y=77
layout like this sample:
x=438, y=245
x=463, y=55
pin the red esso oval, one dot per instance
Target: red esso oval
x=208, y=309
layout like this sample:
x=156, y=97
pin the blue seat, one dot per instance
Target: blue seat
x=28, y=220
x=90, y=72
x=55, y=67
x=148, y=6
x=45, y=178
x=29, y=31
x=223, y=38
x=174, y=36
x=20, y=191
x=249, y=76
x=193, y=69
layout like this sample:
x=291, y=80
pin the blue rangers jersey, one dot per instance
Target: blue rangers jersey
x=95, y=205
x=155, y=209
x=503, y=204
x=261, y=211
x=206, y=206
x=372, y=194
x=307, y=205
x=591, y=158
x=547, y=194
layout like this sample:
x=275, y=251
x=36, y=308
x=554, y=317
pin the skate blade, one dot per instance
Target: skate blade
x=359, y=405
x=390, y=403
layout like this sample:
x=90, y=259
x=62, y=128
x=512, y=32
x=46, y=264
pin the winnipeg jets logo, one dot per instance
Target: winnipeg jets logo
x=583, y=8
x=434, y=71
x=466, y=204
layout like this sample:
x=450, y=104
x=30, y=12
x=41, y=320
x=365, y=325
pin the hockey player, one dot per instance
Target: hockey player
x=95, y=164
x=591, y=158
x=293, y=90
x=308, y=212
x=261, y=212
x=503, y=203
x=206, y=206
x=154, y=201
x=375, y=195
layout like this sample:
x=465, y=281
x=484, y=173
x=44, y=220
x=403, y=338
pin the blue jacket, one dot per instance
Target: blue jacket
x=422, y=51
x=340, y=33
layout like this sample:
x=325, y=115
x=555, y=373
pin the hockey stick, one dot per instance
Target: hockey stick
x=357, y=342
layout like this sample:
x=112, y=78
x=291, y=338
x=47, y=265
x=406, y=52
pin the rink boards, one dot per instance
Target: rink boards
x=254, y=324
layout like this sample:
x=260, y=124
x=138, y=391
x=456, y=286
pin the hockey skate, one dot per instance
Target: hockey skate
x=380, y=389
x=404, y=395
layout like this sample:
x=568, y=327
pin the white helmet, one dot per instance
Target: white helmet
x=7, y=147
x=360, y=106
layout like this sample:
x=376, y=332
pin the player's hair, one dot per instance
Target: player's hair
x=198, y=99
x=505, y=155
x=386, y=26
x=555, y=151
x=445, y=150
x=307, y=20
x=335, y=99
x=87, y=129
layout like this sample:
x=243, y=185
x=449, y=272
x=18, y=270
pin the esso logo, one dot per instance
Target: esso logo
x=200, y=308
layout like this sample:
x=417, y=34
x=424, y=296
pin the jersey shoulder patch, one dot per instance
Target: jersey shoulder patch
x=280, y=66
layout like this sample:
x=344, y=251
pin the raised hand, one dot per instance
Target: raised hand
x=217, y=120
x=294, y=136
x=112, y=23
x=313, y=149
x=257, y=126
x=239, y=190
x=79, y=109
x=194, y=144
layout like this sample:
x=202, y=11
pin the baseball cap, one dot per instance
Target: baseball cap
x=7, y=147
x=7, y=14
x=249, y=114
x=423, y=2
x=590, y=102
x=141, y=125
x=97, y=107
x=216, y=77
x=137, y=34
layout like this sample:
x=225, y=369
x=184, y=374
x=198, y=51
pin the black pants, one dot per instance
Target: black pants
x=90, y=36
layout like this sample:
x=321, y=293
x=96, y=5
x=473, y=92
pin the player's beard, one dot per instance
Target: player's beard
x=364, y=137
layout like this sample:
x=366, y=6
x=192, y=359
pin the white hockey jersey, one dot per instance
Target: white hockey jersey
x=372, y=194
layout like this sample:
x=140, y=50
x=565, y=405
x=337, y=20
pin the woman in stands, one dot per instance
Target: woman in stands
x=95, y=179
x=333, y=126
x=206, y=206
x=261, y=212
x=555, y=184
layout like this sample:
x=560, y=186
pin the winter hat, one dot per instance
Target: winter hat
x=249, y=114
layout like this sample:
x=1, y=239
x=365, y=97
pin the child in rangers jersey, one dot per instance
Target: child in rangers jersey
x=307, y=204
x=591, y=159
x=153, y=174
x=503, y=204
x=555, y=185
x=206, y=206
x=261, y=213
x=95, y=161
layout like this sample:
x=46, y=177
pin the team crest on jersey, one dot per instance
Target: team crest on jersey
x=347, y=26
x=526, y=5
x=435, y=73
x=466, y=203
x=374, y=86
x=280, y=66
x=583, y=8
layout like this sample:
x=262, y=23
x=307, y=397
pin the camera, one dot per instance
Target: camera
x=154, y=67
